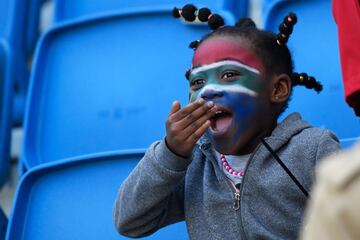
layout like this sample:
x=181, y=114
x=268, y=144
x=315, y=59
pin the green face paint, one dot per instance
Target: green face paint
x=225, y=76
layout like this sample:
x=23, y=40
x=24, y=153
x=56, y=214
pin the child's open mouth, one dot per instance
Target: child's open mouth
x=221, y=122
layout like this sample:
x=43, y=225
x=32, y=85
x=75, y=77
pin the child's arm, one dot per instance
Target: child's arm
x=152, y=196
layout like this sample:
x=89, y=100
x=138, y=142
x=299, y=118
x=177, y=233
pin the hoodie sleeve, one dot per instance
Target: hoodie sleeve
x=153, y=194
x=328, y=145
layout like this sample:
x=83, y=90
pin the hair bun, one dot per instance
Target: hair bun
x=245, y=23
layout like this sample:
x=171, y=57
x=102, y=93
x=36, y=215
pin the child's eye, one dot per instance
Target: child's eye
x=229, y=75
x=197, y=83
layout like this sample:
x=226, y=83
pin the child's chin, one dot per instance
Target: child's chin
x=226, y=145
x=222, y=146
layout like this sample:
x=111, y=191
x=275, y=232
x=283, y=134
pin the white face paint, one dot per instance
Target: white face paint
x=224, y=63
x=227, y=88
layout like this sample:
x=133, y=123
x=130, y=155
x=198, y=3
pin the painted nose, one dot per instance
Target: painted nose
x=211, y=94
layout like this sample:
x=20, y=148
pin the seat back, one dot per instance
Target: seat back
x=74, y=199
x=6, y=93
x=19, y=26
x=3, y=224
x=70, y=9
x=105, y=84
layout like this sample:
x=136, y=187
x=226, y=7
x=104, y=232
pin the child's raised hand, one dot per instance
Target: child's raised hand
x=184, y=126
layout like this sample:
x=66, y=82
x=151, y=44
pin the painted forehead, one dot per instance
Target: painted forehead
x=220, y=49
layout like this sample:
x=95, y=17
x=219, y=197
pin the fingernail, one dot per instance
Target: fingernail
x=201, y=100
x=210, y=104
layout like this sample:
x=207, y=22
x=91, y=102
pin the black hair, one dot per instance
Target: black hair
x=269, y=47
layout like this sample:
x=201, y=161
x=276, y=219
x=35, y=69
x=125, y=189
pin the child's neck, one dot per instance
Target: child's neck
x=251, y=146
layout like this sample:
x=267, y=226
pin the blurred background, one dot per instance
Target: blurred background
x=85, y=88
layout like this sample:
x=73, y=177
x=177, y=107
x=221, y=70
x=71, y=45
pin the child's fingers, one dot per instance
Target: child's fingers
x=194, y=126
x=193, y=138
x=186, y=110
x=175, y=107
x=207, y=109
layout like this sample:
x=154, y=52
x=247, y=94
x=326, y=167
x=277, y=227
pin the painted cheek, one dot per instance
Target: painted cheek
x=194, y=96
x=244, y=110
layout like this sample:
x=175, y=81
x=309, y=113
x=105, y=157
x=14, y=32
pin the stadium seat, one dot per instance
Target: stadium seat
x=266, y=5
x=19, y=26
x=70, y=9
x=6, y=93
x=315, y=51
x=3, y=224
x=106, y=83
x=74, y=198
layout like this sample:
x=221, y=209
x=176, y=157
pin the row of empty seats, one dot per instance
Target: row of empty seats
x=101, y=87
x=20, y=22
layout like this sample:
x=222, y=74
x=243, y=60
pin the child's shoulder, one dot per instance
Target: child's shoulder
x=294, y=126
x=303, y=137
x=312, y=141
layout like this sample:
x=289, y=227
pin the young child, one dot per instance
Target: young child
x=226, y=166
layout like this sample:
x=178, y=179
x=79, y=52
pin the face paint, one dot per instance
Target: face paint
x=233, y=85
x=237, y=77
x=218, y=49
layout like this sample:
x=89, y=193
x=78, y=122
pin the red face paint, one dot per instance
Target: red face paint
x=218, y=49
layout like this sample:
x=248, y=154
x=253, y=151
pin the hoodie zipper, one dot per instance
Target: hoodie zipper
x=236, y=192
x=236, y=205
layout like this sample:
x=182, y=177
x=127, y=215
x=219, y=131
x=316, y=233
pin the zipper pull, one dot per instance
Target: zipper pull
x=236, y=201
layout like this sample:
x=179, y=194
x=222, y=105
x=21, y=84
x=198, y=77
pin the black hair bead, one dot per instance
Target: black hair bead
x=282, y=39
x=203, y=14
x=194, y=44
x=176, y=13
x=215, y=21
x=188, y=12
x=307, y=81
x=283, y=28
x=291, y=18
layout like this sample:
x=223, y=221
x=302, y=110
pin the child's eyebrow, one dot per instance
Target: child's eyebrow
x=225, y=61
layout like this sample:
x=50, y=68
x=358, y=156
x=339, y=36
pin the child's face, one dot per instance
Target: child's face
x=229, y=74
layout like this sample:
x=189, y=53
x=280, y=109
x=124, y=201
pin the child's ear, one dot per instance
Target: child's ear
x=281, y=88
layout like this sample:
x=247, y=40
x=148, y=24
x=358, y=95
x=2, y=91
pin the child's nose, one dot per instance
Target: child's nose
x=211, y=94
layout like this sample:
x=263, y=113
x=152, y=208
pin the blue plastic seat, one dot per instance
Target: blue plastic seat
x=315, y=51
x=70, y=9
x=266, y=5
x=74, y=198
x=106, y=83
x=3, y=224
x=6, y=94
x=19, y=26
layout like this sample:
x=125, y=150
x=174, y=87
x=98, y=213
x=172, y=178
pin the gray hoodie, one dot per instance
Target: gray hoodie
x=165, y=188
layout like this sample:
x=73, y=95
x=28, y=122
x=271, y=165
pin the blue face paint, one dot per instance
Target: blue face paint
x=234, y=89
